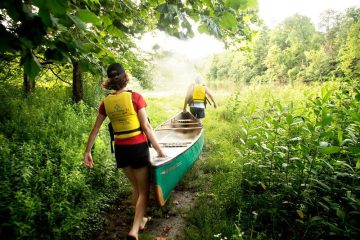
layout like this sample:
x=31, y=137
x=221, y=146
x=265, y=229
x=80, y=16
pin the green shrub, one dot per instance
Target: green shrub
x=46, y=190
x=293, y=164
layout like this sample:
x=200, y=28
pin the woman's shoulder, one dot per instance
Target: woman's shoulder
x=137, y=97
x=136, y=94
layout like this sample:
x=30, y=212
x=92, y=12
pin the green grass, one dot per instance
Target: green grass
x=46, y=190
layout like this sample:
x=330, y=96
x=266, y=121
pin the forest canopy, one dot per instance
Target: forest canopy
x=86, y=35
x=295, y=51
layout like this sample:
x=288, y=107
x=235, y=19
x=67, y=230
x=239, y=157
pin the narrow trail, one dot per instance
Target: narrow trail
x=167, y=222
x=171, y=224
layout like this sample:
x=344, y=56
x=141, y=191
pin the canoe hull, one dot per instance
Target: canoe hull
x=167, y=176
x=168, y=173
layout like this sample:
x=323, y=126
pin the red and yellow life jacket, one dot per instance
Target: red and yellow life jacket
x=199, y=94
x=120, y=110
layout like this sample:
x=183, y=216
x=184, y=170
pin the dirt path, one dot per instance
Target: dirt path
x=171, y=224
x=167, y=222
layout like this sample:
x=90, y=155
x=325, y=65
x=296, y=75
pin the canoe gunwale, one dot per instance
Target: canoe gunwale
x=162, y=161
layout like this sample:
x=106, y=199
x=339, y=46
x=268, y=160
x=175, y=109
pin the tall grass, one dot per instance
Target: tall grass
x=292, y=165
x=46, y=193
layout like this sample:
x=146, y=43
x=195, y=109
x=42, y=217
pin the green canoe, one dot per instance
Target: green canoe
x=182, y=139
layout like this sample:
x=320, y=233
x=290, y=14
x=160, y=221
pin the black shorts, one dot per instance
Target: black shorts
x=198, y=112
x=135, y=156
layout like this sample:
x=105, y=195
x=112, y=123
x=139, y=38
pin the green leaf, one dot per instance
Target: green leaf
x=323, y=144
x=234, y=4
x=295, y=139
x=44, y=14
x=211, y=26
x=357, y=97
x=228, y=21
x=340, y=138
x=327, y=164
x=283, y=148
x=289, y=119
x=300, y=213
x=265, y=147
x=252, y=4
x=208, y=3
x=54, y=54
x=316, y=218
x=325, y=94
x=355, y=116
x=244, y=131
x=86, y=66
x=344, y=164
x=243, y=4
x=310, y=127
x=357, y=163
x=330, y=149
x=323, y=185
x=354, y=149
x=162, y=8
x=89, y=17
x=31, y=65
x=80, y=24
x=57, y=7
x=106, y=20
x=340, y=213
x=116, y=32
x=346, y=141
x=326, y=120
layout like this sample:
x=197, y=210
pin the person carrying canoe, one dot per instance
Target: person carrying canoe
x=196, y=98
x=132, y=130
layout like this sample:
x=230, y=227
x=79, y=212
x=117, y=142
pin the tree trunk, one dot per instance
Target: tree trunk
x=77, y=86
x=29, y=84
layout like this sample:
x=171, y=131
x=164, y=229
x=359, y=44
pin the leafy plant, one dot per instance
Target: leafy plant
x=292, y=173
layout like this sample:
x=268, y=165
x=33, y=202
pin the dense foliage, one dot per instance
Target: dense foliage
x=46, y=193
x=284, y=164
x=90, y=34
x=295, y=51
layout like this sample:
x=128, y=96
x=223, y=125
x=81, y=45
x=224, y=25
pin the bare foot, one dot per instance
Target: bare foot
x=144, y=222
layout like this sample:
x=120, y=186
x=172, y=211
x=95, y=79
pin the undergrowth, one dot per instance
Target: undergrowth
x=46, y=192
x=289, y=162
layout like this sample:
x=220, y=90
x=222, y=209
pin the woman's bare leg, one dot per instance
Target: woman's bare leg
x=134, y=191
x=140, y=181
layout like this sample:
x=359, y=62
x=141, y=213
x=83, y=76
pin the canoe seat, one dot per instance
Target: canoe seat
x=178, y=128
x=175, y=144
x=183, y=120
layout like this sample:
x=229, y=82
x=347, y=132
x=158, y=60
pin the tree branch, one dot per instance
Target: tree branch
x=58, y=76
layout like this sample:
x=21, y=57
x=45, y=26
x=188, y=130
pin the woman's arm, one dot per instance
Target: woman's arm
x=207, y=91
x=87, y=157
x=188, y=97
x=148, y=130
